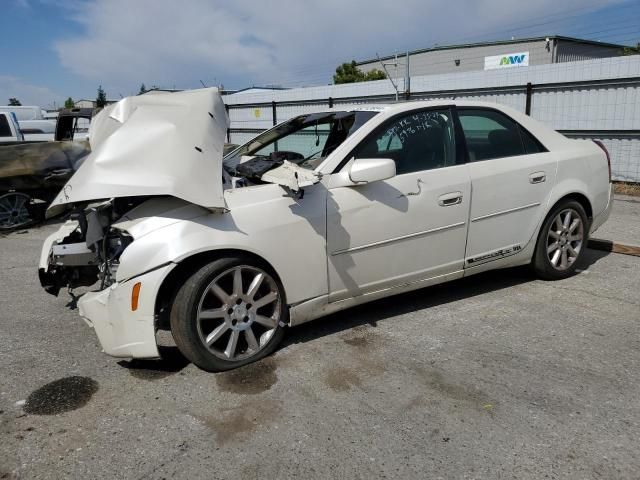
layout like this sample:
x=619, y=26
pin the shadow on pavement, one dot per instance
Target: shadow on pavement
x=380, y=310
x=172, y=362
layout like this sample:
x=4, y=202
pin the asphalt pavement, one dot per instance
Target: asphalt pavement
x=499, y=375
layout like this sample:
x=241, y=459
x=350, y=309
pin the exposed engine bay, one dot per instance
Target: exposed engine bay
x=91, y=251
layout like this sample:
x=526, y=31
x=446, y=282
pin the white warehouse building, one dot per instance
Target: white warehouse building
x=493, y=55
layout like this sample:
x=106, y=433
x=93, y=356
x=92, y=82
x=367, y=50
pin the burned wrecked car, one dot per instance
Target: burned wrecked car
x=32, y=173
x=320, y=213
x=73, y=123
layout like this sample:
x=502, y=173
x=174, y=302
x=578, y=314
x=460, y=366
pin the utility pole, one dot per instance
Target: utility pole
x=384, y=67
x=407, y=80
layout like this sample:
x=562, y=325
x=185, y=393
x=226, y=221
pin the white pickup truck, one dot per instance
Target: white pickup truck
x=32, y=122
x=9, y=129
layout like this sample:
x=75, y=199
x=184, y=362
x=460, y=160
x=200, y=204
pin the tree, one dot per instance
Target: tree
x=374, y=74
x=14, y=102
x=101, y=99
x=143, y=89
x=631, y=50
x=350, y=73
x=68, y=103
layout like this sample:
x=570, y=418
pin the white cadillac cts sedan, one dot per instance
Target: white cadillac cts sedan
x=320, y=213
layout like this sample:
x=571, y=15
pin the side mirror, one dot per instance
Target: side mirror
x=367, y=170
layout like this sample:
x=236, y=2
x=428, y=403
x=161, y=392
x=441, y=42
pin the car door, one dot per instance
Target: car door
x=511, y=178
x=406, y=228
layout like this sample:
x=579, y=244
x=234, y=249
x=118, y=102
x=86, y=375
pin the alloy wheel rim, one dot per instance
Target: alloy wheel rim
x=13, y=210
x=238, y=313
x=565, y=239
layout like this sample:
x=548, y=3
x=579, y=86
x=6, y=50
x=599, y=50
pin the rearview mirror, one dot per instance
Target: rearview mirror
x=367, y=170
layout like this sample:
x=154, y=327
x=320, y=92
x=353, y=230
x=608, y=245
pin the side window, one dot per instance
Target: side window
x=5, y=130
x=389, y=141
x=415, y=141
x=490, y=134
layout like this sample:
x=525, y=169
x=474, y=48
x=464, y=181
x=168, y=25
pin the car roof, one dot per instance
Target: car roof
x=402, y=106
x=412, y=104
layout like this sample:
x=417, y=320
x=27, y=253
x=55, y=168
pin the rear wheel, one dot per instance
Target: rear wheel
x=229, y=313
x=14, y=212
x=561, y=242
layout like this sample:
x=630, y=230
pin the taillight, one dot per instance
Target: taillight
x=606, y=152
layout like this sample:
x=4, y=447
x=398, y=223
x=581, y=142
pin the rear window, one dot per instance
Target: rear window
x=490, y=134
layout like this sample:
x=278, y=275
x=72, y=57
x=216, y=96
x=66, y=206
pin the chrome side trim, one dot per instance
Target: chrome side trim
x=404, y=237
x=503, y=212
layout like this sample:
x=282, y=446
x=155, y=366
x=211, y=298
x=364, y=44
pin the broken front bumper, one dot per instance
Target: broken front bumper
x=122, y=331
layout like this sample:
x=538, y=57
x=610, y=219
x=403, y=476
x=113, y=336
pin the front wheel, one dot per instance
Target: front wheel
x=229, y=313
x=561, y=242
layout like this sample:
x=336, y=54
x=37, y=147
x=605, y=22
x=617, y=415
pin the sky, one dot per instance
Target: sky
x=54, y=49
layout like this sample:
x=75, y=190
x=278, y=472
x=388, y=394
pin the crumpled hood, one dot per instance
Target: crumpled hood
x=154, y=144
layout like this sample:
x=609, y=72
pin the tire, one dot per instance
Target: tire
x=221, y=319
x=560, y=247
x=14, y=211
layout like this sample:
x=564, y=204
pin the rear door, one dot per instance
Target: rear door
x=512, y=175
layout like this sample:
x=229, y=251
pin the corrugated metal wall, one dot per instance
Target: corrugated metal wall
x=567, y=51
x=588, y=99
x=470, y=58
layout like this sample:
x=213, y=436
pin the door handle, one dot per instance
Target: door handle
x=537, y=177
x=449, y=199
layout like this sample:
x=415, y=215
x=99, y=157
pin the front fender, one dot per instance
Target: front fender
x=289, y=235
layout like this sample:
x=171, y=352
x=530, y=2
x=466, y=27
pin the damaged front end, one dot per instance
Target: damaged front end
x=87, y=248
x=156, y=159
x=142, y=147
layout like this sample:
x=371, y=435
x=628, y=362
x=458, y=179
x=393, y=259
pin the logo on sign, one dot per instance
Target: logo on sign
x=519, y=59
x=513, y=59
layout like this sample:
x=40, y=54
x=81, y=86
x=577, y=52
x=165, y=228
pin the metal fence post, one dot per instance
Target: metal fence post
x=330, y=102
x=226, y=107
x=407, y=80
x=527, y=107
x=274, y=117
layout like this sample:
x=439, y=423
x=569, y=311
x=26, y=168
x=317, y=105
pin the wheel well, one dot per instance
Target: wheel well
x=581, y=199
x=187, y=267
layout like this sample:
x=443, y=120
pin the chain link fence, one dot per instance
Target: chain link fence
x=593, y=99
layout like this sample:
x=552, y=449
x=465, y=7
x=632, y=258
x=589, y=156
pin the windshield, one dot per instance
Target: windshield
x=305, y=140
